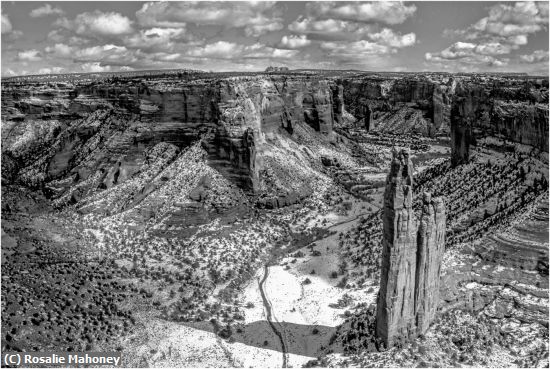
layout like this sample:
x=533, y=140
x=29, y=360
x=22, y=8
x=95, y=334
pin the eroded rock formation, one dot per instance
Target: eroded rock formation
x=509, y=112
x=398, y=105
x=105, y=129
x=411, y=257
x=395, y=313
x=430, y=249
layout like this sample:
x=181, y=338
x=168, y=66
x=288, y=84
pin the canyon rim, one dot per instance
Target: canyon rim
x=275, y=184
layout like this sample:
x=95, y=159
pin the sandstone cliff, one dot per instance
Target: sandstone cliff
x=60, y=134
x=398, y=105
x=517, y=113
x=411, y=257
x=430, y=249
x=395, y=311
x=97, y=135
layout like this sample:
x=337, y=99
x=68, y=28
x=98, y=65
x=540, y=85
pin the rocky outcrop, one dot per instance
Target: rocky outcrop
x=430, y=249
x=395, y=105
x=517, y=113
x=103, y=129
x=442, y=100
x=338, y=101
x=411, y=257
x=395, y=307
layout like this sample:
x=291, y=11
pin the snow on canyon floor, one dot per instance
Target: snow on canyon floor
x=303, y=296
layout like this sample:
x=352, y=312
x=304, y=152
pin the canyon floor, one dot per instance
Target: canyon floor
x=289, y=308
x=187, y=241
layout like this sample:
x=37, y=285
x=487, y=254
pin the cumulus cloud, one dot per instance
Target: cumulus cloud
x=156, y=38
x=295, y=42
x=517, y=40
x=29, y=55
x=60, y=50
x=510, y=21
x=106, y=54
x=166, y=57
x=389, y=12
x=390, y=38
x=460, y=50
x=504, y=29
x=330, y=21
x=255, y=18
x=493, y=48
x=95, y=67
x=259, y=29
x=52, y=70
x=231, y=50
x=331, y=29
x=9, y=72
x=472, y=60
x=259, y=51
x=8, y=33
x=98, y=24
x=309, y=25
x=46, y=10
x=6, y=24
x=220, y=49
x=355, y=49
x=381, y=43
x=535, y=57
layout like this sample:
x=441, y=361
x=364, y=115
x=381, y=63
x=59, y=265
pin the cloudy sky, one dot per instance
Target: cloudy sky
x=76, y=36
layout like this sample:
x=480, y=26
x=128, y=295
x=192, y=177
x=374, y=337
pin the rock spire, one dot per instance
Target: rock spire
x=411, y=257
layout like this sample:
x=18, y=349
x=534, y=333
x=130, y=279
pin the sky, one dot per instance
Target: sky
x=79, y=36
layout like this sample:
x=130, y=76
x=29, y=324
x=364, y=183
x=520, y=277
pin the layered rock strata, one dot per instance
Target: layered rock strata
x=411, y=257
x=516, y=113
x=399, y=105
x=106, y=128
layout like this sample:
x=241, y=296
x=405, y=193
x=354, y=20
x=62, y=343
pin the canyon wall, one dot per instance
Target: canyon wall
x=411, y=257
x=467, y=108
x=517, y=113
x=399, y=105
x=107, y=128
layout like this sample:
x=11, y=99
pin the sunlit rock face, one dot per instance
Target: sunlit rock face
x=395, y=312
x=411, y=257
x=516, y=113
x=397, y=105
x=105, y=129
x=430, y=249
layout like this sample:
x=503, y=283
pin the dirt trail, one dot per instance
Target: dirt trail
x=274, y=325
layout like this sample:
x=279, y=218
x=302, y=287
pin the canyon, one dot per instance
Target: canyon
x=173, y=206
x=236, y=117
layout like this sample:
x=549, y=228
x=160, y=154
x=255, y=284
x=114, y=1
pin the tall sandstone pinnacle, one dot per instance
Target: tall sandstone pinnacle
x=411, y=257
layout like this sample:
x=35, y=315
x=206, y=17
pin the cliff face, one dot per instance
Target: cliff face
x=110, y=125
x=395, y=311
x=517, y=113
x=430, y=249
x=411, y=257
x=106, y=129
x=397, y=105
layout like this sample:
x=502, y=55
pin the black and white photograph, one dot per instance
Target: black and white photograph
x=282, y=184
